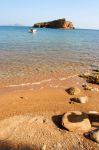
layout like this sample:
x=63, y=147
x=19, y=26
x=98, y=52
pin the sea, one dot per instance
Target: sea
x=47, y=52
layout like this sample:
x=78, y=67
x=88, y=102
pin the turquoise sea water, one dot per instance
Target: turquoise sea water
x=48, y=50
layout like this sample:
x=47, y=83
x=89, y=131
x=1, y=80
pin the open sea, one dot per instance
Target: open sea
x=46, y=52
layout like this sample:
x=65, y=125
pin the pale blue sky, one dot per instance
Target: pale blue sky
x=83, y=13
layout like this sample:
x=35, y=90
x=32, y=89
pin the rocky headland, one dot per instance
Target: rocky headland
x=58, y=24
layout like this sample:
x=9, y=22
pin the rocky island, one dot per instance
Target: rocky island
x=58, y=24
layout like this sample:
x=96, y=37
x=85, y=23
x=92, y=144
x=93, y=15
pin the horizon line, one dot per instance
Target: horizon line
x=19, y=25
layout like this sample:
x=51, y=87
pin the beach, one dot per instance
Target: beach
x=25, y=99
x=49, y=102
x=35, y=74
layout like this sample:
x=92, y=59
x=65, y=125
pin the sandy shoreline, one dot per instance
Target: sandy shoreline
x=48, y=101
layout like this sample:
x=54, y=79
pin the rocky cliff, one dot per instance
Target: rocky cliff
x=60, y=24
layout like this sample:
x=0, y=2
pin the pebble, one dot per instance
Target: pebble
x=94, y=135
x=87, y=87
x=73, y=91
x=43, y=147
x=83, y=100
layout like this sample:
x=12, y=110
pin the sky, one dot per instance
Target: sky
x=83, y=13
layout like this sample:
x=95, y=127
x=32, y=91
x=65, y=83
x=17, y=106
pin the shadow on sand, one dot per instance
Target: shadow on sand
x=57, y=121
x=94, y=119
x=74, y=118
x=5, y=145
x=74, y=100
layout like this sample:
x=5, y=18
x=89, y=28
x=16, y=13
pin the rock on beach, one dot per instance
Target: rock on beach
x=76, y=121
x=82, y=100
x=73, y=91
x=94, y=135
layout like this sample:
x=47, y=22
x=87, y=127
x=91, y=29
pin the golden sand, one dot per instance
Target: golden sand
x=48, y=99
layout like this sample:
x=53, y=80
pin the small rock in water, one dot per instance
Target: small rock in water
x=85, y=75
x=76, y=121
x=87, y=87
x=96, y=70
x=94, y=135
x=91, y=77
x=73, y=91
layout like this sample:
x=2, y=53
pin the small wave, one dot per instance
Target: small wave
x=41, y=82
x=57, y=86
x=30, y=84
x=63, y=78
x=54, y=86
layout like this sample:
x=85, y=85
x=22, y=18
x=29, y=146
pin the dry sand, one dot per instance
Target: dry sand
x=30, y=116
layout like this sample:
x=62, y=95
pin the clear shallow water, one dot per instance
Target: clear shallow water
x=47, y=51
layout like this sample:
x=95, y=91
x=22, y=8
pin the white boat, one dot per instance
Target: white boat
x=32, y=30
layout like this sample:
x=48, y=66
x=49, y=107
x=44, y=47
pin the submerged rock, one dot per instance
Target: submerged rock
x=60, y=23
x=76, y=121
x=85, y=75
x=87, y=87
x=91, y=77
x=73, y=91
x=96, y=70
